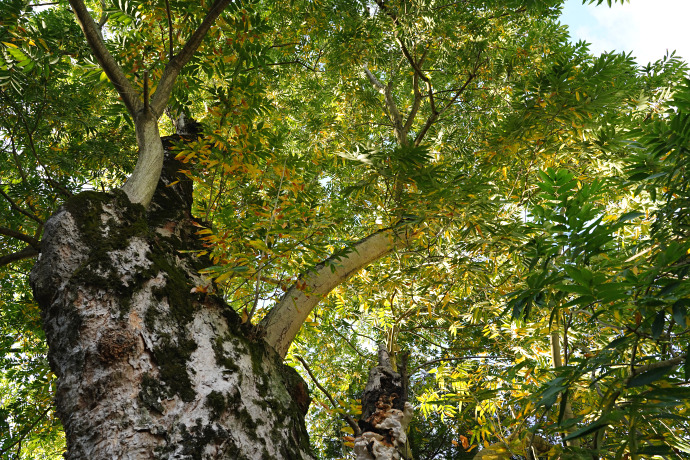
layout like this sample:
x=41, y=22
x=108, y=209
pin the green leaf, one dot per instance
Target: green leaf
x=680, y=312
x=630, y=216
x=648, y=377
x=658, y=324
x=656, y=450
x=588, y=429
x=619, y=341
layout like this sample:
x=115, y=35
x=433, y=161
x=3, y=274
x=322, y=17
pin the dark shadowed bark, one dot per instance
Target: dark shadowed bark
x=147, y=365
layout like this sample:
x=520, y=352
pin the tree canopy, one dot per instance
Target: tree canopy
x=533, y=289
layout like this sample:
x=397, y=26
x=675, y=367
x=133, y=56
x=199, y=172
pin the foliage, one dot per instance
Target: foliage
x=546, y=188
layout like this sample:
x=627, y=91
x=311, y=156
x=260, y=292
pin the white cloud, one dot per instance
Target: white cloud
x=646, y=27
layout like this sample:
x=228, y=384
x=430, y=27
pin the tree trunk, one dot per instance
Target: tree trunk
x=147, y=365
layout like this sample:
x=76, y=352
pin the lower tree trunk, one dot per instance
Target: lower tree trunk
x=148, y=365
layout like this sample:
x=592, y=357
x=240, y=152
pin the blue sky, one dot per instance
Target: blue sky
x=646, y=27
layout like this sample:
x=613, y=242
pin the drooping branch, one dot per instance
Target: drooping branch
x=285, y=319
x=114, y=72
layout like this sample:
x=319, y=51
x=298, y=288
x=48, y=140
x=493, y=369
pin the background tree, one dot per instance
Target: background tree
x=339, y=132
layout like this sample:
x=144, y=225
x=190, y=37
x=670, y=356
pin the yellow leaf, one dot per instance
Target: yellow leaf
x=223, y=277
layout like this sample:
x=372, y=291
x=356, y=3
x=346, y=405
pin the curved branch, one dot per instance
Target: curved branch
x=285, y=319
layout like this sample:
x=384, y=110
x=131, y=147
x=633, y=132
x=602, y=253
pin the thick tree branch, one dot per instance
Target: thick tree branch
x=93, y=36
x=350, y=421
x=26, y=253
x=285, y=319
x=33, y=242
x=160, y=98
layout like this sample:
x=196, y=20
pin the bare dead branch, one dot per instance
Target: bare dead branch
x=350, y=421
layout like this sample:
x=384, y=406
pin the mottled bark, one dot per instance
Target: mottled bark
x=147, y=365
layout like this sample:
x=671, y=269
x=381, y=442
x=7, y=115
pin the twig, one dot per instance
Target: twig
x=268, y=231
x=439, y=360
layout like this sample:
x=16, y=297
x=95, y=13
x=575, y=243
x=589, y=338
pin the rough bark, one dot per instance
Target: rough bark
x=147, y=367
x=385, y=414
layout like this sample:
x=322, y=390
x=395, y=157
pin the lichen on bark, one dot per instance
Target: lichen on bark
x=147, y=368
